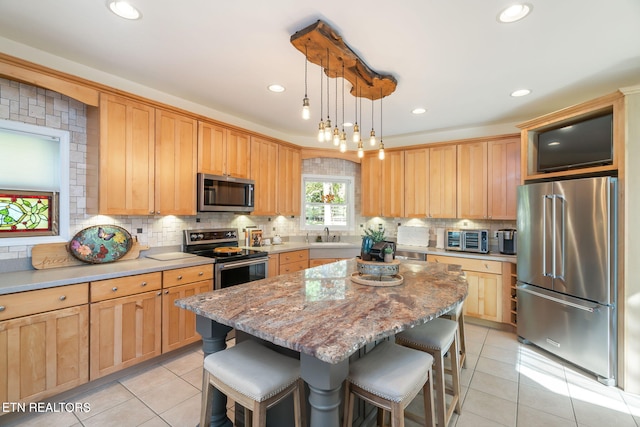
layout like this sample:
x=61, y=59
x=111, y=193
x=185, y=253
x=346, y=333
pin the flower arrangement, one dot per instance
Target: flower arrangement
x=376, y=236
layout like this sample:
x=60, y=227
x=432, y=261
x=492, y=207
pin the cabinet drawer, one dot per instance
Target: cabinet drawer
x=32, y=302
x=181, y=276
x=293, y=267
x=123, y=286
x=469, y=264
x=294, y=256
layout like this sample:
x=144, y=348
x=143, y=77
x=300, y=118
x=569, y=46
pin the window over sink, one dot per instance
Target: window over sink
x=327, y=201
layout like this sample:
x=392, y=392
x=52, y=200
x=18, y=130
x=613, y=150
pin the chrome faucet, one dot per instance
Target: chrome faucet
x=326, y=233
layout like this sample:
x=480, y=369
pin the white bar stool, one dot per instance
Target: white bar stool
x=390, y=377
x=255, y=377
x=457, y=315
x=438, y=337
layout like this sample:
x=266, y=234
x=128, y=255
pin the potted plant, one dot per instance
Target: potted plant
x=388, y=254
x=376, y=236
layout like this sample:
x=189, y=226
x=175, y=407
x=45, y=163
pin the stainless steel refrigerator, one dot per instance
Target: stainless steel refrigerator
x=567, y=276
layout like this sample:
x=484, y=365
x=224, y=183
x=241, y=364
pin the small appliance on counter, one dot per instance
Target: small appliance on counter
x=507, y=241
x=467, y=240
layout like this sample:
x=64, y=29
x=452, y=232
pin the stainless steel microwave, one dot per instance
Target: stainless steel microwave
x=218, y=193
x=468, y=240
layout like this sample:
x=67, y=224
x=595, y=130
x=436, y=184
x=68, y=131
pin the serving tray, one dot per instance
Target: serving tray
x=381, y=281
x=100, y=244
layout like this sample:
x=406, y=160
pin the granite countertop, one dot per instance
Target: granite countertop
x=28, y=280
x=320, y=312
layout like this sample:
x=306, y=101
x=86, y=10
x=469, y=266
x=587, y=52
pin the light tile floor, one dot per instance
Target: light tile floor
x=505, y=383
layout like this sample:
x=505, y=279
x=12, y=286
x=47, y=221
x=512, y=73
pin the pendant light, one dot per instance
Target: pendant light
x=306, y=113
x=372, y=135
x=356, y=128
x=343, y=134
x=381, y=149
x=327, y=124
x=360, y=147
x=336, y=131
x=321, y=124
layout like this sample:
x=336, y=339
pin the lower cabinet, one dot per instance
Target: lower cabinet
x=178, y=325
x=485, y=286
x=273, y=268
x=322, y=261
x=47, y=353
x=125, y=330
x=293, y=261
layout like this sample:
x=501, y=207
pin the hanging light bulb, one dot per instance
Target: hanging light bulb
x=372, y=135
x=343, y=134
x=321, y=124
x=356, y=128
x=327, y=124
x=306, y=113
x=336, y=131
x=381, y=149
x=360, y=149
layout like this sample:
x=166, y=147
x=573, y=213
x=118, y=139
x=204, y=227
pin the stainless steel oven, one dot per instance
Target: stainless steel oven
x=231, y=273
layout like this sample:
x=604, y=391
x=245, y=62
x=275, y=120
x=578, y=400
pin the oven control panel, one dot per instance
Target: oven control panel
x=193, y=237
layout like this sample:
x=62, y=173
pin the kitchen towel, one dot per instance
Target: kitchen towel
x=413, y=236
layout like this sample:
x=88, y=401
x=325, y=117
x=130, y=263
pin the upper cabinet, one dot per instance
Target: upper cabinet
x=382, y=181
x=140, y=160
x=488, y=175
x=289, y=180
x=223, y=151
x=442, y=182
x=609, y=104
x=416, y=183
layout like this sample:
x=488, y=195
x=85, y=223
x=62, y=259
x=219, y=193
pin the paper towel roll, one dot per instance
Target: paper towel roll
x=439, y=238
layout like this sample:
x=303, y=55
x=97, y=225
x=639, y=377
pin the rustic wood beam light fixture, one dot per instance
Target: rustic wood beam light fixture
x=319, y=39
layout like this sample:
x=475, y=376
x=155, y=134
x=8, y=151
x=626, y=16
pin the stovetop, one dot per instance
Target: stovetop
x=203, y=242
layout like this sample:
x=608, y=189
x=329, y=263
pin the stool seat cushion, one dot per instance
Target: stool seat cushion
x=253, y=369
x=391, y=371
x=436, y=334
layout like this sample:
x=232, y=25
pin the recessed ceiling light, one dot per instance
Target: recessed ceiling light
x=276, y=88
x=419, y=110
x=520, y=92
x=124, y=9
x=514, y=13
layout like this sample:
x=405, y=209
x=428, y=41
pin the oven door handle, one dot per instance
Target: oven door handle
x=236, y=264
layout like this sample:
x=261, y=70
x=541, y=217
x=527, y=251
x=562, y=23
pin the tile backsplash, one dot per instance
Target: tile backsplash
x=25, y=103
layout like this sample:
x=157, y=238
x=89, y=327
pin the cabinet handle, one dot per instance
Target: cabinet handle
x=180, y=277
x=114, y=289
x=159, y=293
x=166, y=292
x=151, y=212
x=201, y=273
x=62, y=297
x=158, y=212
x=143, y=284
x=2, y=307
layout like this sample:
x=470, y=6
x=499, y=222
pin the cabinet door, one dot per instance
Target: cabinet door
x=503, y=178
x=212, y=148
x=237, y=154
x=442, y=182
x=264, y=171
x=289, y=180
x=176, y=144
x=125, y=331
x=416, y=183
x=179, y=325
x=371, y=172
x=274, y=265
x=392, y=183
x=472, y=180
x=44, y=354
x=126, y=168
x=485, y=296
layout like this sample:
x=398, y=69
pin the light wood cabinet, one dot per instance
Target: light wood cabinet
x=145, y=160
x=264, y=171
x=442, y=181
x=382, y=184
x=488, y=175
x=223, y=151
x=179, y=325
x=416, y=183
x=485, y=281
x=289, y=180
x=293, y=261
x=125, y=330
x=43, y=354
x=273, y=266
x=322, y=261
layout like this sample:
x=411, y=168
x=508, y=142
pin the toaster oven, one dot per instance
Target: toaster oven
x=467, y=240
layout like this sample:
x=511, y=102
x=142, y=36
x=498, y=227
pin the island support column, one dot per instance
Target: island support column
x=324, y=380
x=214, y=339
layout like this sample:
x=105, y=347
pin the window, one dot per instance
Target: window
x=34, y=184
x=328, y=201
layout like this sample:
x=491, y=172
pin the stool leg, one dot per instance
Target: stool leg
x=259, y=414
x=348, y=406
x=429, y=409
x=299, y=404
x=463, y=345
x=206, y=405
x=438, y=368
x=397, y=415
x=455, y=374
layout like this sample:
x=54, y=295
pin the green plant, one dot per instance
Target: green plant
x=388, y=250
x=376, y=236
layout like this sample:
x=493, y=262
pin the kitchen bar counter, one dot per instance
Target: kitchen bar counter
x=28, y=280
x=320, y=313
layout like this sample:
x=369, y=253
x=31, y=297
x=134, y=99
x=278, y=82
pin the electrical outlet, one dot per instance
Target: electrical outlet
x=379, y=227
x=138, y=230
x=361, y=225
x=197, y=219
x=399, y=224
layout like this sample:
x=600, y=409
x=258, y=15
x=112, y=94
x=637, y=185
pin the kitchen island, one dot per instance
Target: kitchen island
x=323, y=315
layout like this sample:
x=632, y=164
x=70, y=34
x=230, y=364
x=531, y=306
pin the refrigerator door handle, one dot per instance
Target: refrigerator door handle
x=560, y=250
x=558, y=300
x=544, y=237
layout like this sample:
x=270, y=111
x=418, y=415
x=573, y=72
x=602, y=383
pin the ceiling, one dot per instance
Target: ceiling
x=451, y=57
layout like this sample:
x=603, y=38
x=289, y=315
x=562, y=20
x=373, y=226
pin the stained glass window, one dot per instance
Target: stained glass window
x=26, y=212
